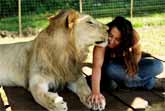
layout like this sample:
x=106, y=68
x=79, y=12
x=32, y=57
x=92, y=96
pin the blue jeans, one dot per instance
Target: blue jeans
x=145, y=77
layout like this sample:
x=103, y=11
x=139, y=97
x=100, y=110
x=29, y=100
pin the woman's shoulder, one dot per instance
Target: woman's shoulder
x=136, y=36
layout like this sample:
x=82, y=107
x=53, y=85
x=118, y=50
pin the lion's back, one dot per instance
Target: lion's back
x=13, y=59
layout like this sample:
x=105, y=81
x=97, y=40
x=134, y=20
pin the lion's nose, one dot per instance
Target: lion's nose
x=104, y=27
x=107, y=28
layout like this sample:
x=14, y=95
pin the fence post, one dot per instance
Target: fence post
x=19, y=18
x=80, y=5
x=131, y=10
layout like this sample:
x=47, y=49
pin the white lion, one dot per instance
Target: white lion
x=53, y=59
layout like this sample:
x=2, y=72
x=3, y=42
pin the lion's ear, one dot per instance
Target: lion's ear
x=50, y=18
x=71, y=18
x=57, y=14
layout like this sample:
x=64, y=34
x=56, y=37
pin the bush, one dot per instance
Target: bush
x=10, y=7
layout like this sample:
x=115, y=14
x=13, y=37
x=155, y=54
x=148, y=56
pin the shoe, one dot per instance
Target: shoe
x=160, y=84
x=114, y=85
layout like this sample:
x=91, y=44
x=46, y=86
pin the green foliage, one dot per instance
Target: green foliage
x=33, y=21
x=97, y=8
x=10, y=7
x=142, y=21
x=102, y=8
x=10, y=24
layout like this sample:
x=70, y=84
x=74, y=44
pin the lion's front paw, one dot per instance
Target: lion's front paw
x=57, y=104
x=99, y=106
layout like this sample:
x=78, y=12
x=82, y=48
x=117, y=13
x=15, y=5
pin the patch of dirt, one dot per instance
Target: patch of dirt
x=149, y=29
x=28, y=32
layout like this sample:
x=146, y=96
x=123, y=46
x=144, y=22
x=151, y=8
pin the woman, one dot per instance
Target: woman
x=120, y=61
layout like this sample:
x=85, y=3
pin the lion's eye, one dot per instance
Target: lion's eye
x=89, y=22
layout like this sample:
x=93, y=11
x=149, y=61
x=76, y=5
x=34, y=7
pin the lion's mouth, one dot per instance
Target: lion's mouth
x=101, y=41
x=98, y=42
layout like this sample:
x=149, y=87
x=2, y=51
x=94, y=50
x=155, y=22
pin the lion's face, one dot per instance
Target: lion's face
x=83, y=28
x=89, y=31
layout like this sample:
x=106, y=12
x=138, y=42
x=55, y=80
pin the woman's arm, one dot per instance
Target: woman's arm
x=137, y=47
x=98, y=58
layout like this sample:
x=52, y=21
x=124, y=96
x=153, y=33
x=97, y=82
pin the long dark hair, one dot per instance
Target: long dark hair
x=127, y=41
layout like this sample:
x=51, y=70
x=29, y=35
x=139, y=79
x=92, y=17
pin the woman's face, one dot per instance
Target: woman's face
x=114, y=38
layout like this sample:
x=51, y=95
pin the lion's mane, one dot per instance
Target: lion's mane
x=56, y=52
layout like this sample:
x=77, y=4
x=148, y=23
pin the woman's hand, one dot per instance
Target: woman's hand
x=97, y=101
x=96, y=98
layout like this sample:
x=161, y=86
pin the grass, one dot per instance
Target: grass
x=152, y=32
x=153, y=40
x=151, y=29
x=144, y=21
x=40, y=21
x=33, y=21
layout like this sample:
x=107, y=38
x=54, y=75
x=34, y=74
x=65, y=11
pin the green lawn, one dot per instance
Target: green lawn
x=33, y=21
x=151, y=29
x=40, y=21
x=152, y=40
x=152, y=32
x=144, y=21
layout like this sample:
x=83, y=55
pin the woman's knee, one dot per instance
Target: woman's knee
x=149, y=84
x=152, y=66
x=157, y=66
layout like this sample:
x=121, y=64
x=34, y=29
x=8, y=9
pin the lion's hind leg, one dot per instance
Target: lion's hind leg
x=51, y=101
